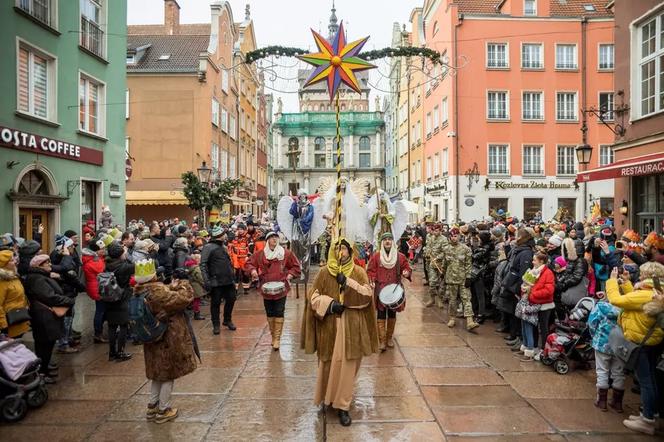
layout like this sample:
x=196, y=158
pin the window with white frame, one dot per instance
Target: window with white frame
x=650, y=62
x=232, y=164
x=566, y=56
x=215, y=160
x=530, y=7
x=36, y=82
x=90, y=105
x=532, y=106
x=497, y=105
x=436, y=118
x=532, y=56
x=232, y=127
x=224, y=80
x=42, y=10
x=127, y=104
x=566, y=106
x=606, y=57
x=418, y=131
x=444, y=112
x=436, y=165
x=365, y=152
x=606, y=155
x=224, y=120
x=223, y=165
x=215, y=112
x=429, y=168
x=498, y=159
x=532, y=160
x=444, y=163
x=92, y=34
x=428, y=124
x=606, y=105
x=418, y=171
x=566, y=160
x=497, y=55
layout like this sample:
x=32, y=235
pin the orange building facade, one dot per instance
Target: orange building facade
x=501, y=125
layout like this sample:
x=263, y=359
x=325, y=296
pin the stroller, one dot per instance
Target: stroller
x=21, y=386
x=570, y=342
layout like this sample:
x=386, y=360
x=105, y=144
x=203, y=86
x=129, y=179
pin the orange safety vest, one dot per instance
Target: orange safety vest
x=239, y=251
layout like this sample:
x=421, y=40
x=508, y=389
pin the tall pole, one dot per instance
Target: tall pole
x=408, y=126
x=338, y=210
x=584, y=126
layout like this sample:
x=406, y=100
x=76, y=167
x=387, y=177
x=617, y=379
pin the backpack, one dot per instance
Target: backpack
x=108, y=287
x=143, y=325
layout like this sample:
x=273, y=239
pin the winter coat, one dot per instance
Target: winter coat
x=572, y=276
x=165, y=253
x=173, y=355
x=274, y=270
x=93, y=265
x=602, y=319
x=25, y=253
x=44, y=292
x=497, y=279
x=195, y=277
x=481, y=257
x=180, y=256
x=604, y=262
x=382, y=277
x=12, y=297
x=118, y=312
x=634, y=322
x=542, y=292
x=520, y=260
x=216, y=265
x=68, y=267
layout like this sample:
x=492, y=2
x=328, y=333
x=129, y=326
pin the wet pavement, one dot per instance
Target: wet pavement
x=436, y=384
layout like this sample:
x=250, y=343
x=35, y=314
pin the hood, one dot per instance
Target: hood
x=7, y=275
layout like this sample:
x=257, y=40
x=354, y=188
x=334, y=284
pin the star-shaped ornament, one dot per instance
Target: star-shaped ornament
x=336, y=62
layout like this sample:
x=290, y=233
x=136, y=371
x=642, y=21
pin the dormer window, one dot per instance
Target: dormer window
x=164, y=57
x=131, y=58
x=589, y=8
x=530, y=7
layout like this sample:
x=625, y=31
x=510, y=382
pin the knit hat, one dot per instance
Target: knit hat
x=386, y=235
x=555, y=240
x=115, y=250
x=39, y=260
x=217, y=231
x=5, y=257
x=181, y=243
x=63, y=242
x=271, y=235
x=144, y=271
x=561, y=262
x=203, y=234
x=529, y=278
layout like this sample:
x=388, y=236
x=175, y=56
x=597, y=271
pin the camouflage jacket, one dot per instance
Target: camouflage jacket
x=435, y=246
x=457, y=262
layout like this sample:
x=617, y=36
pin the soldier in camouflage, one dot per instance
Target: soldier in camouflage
x=457, y=262
x=432, y=251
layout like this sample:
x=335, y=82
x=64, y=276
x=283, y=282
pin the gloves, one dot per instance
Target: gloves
x=468, y=282
x=341, y=280
x=336, y=308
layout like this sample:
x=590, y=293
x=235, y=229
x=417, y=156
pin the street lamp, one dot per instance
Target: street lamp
x=204, y=173
x=584, y=153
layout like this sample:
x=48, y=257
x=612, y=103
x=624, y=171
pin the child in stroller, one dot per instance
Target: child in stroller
x=571, y=340
x=21, y=386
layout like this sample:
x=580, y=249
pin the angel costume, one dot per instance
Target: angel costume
x=385, y=216
x=340, y=339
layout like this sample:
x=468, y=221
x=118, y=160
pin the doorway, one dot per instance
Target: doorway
x=34, y=225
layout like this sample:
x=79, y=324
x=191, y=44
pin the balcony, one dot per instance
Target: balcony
x=92, y=37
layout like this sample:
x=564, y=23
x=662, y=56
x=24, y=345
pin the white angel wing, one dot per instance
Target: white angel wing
x=360, y=188
x=400, y=219
x=319, y=223
x=284, y=218
x=357, y=227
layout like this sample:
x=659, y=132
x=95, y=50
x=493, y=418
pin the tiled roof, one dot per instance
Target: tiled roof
x=183, y=29
x=558, y=8
x=477, y=6
x=183, y=50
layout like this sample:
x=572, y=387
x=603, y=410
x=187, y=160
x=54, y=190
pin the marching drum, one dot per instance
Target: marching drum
x=392, y=296
x=273, y=288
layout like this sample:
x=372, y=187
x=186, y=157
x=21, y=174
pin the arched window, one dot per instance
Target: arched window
x=319, y=152
x=33, y=183
x=365, y=152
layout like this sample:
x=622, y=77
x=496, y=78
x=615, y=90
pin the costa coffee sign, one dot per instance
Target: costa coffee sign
x=27, y=142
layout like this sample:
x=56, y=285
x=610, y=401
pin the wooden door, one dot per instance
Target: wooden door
x=33, y=225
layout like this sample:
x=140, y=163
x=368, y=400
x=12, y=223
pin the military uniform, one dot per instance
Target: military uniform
x=457, y=261
x=433, y=251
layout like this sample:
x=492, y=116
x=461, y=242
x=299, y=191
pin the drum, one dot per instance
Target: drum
x=392, y=296
x=273, y=288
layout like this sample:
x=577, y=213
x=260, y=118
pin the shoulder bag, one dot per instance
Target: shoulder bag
x=626, y=350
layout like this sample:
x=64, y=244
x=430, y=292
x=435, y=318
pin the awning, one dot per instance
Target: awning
x=644, y=165
x=155, y=198
x=240, y=201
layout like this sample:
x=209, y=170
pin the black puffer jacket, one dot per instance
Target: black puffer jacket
x=179, y=258
x=520, y=260
x=165, y=253
x=68, y=269
x=216, y=265
x=572, y=276
x=118, y=312
x=44, y=292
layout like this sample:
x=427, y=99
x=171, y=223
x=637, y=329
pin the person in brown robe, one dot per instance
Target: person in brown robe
x=340, y=326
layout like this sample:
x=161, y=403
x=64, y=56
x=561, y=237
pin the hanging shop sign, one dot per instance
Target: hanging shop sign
x=506, y=185
x=27, y=142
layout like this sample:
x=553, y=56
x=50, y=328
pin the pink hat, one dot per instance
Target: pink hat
x=38, y=260
x=561, y=262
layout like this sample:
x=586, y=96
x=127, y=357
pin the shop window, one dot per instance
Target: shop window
x=532, y=208
x=496, y=204
x=89, y=201
x=568, y=206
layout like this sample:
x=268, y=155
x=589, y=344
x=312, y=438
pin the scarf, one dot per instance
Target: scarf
x=333, y=264
x=277, y=253
x=388, y=260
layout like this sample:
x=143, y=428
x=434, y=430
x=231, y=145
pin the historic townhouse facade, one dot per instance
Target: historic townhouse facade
x=61, y=141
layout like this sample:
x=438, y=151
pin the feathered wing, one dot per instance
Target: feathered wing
x=400, y=219
x=284, y=218
x=319, y=223
x=357, y=227
x=360, y=188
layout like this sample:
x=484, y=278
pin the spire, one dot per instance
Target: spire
x=333, y=26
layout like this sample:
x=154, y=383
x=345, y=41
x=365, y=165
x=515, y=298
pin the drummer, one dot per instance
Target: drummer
x=273, y=268
x=387, y=266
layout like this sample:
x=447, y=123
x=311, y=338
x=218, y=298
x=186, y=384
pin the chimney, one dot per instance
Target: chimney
x=171, y=17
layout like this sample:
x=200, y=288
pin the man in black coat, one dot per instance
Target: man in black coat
x=164, y=239
x=117, y=313
x=218, y=275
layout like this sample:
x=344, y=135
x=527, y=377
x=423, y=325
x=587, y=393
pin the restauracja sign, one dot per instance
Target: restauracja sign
x=19, y=140
x=532, y=185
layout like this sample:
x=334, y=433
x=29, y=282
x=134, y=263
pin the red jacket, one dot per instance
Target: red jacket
x=274, y=270
x=382, y=277
x=542, y=291
x=92, y=266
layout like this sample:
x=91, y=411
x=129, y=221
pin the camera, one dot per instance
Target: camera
x=620, y=245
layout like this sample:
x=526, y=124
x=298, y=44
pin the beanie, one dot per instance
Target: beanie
x=561, y=262
x=555, y=240
x=5, y=257
x=115, y=250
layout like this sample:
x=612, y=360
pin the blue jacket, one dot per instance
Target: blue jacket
x=603, y=318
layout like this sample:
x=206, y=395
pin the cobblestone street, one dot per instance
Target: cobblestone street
x=436, y=384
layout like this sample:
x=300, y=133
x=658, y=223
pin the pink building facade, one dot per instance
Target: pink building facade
x=502, y=125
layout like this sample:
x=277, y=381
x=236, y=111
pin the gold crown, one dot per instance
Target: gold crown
x=145, y=271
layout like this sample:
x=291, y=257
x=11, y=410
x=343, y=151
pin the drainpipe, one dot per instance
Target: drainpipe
x=584, y=103
x=457, y=159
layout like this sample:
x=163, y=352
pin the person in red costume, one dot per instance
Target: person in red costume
x=387, y=266
x=238, y=249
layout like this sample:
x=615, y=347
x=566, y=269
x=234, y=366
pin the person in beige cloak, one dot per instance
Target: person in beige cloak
x=340, y=326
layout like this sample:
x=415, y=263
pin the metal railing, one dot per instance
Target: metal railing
x=92, y=37
x=39, y=9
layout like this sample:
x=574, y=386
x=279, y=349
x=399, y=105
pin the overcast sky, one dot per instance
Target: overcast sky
x=288, y=23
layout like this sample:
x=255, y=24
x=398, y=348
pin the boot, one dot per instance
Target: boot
x=198, y=316
x=344, y=418
x=617, y=400
x=276, y=337
x=471, y=324
x=391, y=323
x=270, y=322
x=215, y=329
x=439, y=302
x=381, y=334
x=641, y=425
x=451, y=323
x=600, y=400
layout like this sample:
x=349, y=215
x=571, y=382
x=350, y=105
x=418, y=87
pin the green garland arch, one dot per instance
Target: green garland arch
x=403, y=51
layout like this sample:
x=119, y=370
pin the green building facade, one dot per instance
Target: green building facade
x=62, y=116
